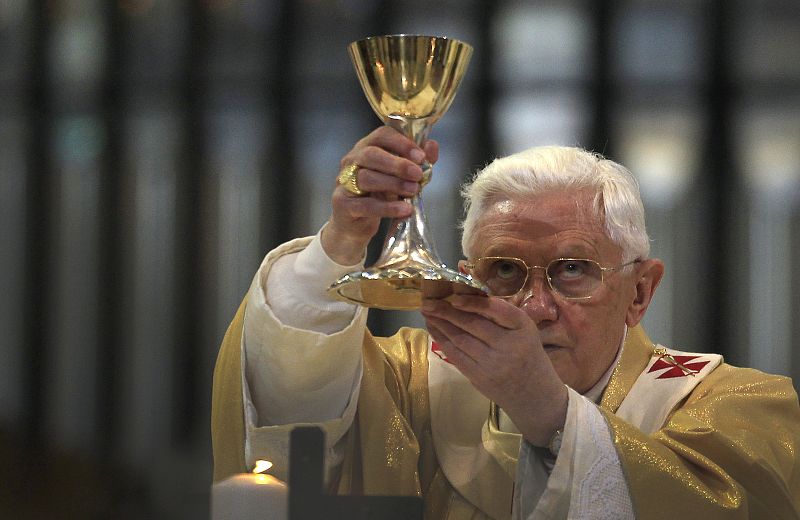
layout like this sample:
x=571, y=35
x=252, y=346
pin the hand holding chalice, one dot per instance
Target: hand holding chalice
x=410, y=82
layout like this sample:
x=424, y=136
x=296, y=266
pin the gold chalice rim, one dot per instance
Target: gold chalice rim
x=412, y=35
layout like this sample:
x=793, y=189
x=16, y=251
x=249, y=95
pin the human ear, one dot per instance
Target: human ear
x=462, y=266
x=649, y=274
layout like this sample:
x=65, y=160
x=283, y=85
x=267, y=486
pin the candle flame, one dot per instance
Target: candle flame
x=262, y=466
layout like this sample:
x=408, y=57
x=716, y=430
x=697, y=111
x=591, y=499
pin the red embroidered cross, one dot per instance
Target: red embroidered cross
x=678, y=366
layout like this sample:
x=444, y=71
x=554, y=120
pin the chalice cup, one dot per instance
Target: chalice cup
x=410, y=82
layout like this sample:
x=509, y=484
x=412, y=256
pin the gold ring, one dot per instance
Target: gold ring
x=349, y=180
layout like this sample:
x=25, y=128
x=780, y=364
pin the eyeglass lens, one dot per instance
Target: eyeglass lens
x=571, y=278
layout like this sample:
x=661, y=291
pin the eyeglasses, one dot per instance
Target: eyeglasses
x=572, y=278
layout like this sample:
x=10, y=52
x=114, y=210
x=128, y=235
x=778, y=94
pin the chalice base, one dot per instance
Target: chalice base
x=402, y=288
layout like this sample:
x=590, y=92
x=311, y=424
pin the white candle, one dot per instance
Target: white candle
x=250, y=496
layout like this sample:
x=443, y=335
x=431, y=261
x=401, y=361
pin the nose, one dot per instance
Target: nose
x=538, y=300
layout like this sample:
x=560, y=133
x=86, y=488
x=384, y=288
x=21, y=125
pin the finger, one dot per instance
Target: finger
x=441, y=289
x=369, y=207
x=390, y=151
x=431, y=149
x=442, y=334
x=498, y=310
x=381, y=160
x=484, y=358
x=475, y=361
x=476, y=324
x=373, y=181
x=394, y=142
x=487, y=366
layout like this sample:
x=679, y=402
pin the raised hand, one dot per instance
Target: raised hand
x=496, y=346
x=388, y=170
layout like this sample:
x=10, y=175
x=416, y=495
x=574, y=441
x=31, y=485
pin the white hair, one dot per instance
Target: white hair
x=556, y=168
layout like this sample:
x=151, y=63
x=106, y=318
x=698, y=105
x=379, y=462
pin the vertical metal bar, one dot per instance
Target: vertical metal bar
x=602, y=93
x=306, y=473
x=309, y=501
x=720, y=183
x=485, y=146
x=111, y=206
x=38, y=246
x=38, y=222
x=381, y=20
x=279, y=190
x=188, y=254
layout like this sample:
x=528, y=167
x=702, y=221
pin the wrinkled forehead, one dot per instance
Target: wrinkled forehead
x=541, y=218
x=550, y=211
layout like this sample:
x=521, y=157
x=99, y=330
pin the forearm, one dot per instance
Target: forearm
x=302, y=349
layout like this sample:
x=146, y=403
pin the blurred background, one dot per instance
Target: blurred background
x=152, y=151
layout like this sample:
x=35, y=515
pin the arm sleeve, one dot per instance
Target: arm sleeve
x=586, y=481
x=302, y=352
x=294, y=289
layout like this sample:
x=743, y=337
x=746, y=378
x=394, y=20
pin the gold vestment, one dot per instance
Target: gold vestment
x=730, y=450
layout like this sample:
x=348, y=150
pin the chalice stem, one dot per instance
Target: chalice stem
x=408, y=243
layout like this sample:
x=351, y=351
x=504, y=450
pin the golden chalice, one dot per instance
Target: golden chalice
x=410, y=82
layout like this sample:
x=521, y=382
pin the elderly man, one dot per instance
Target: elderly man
x=545, y=398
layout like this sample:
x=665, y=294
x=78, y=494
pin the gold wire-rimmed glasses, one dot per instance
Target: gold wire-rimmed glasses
x=571, y=278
